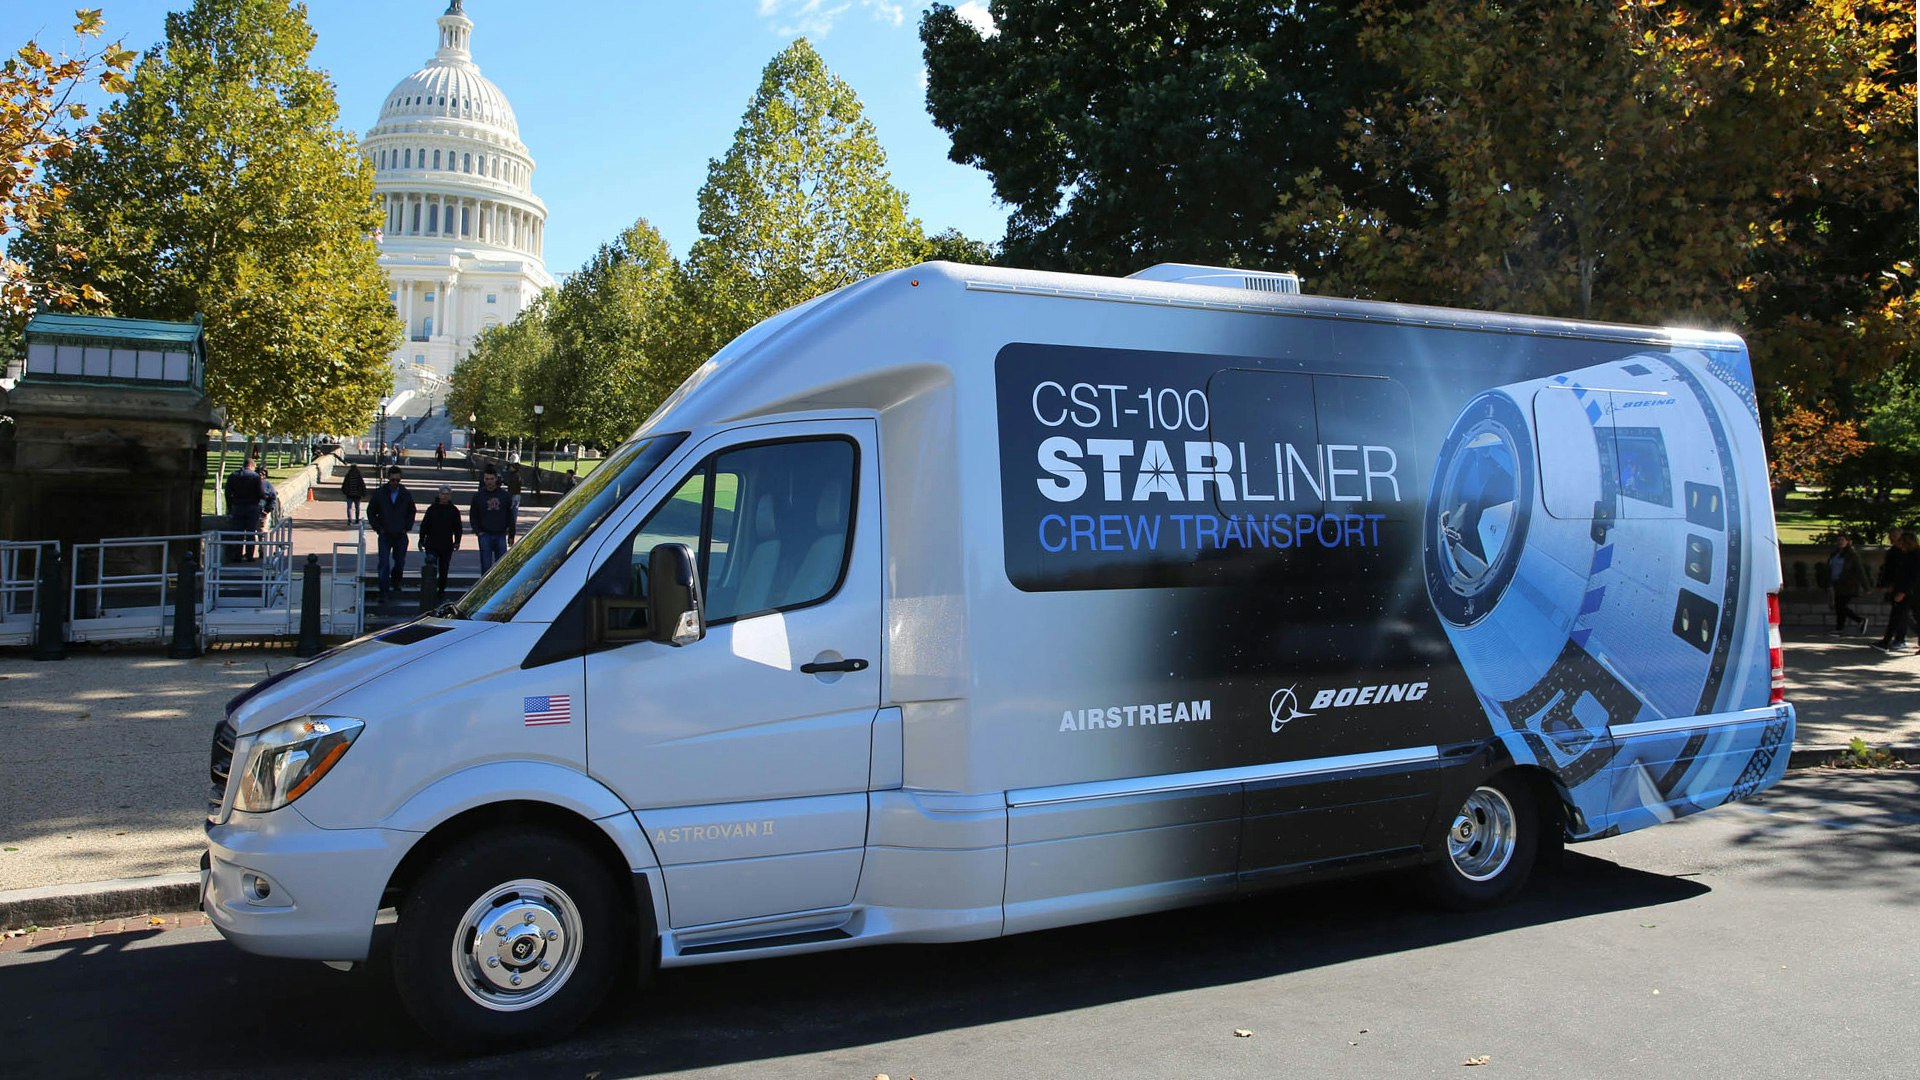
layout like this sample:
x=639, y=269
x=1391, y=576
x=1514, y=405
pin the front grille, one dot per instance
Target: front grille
x=221, y=765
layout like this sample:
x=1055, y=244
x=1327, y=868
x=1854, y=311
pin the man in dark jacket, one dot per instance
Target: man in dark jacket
x=440, y=530
x=1899, y=574
x=492, y=517
x=246, y=493
x=1847, y=576
x=354, y=490
x=391, y=512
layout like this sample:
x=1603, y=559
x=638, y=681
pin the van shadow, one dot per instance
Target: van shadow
x=732, y=1014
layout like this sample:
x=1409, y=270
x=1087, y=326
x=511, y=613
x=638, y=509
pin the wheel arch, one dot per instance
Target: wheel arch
x=518, y=813
x=1557, y=816
x=504, y=794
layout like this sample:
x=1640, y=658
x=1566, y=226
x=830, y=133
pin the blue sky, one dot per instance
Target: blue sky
x=622, y=102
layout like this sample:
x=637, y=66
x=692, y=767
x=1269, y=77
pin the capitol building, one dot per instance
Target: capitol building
x=462, y=238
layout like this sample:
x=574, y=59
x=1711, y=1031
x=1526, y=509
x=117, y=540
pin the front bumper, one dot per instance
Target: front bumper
x=322, y=886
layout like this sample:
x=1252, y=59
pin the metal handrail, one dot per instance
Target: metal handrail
x=268, y=580
x=91, y=596
x=19, y=588
x=356, y=580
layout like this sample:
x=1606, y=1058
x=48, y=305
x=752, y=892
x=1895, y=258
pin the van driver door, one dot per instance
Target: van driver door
x=745, y=754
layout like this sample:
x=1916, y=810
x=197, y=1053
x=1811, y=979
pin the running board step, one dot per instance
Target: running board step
x=808, y=937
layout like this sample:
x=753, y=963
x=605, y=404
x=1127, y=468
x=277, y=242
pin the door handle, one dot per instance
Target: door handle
x=836, y=665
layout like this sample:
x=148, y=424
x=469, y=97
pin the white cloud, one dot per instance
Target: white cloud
x=975, y=12
x=816, y=18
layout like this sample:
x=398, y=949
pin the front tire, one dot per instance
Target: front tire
x=1489, y=847
x=509, y=939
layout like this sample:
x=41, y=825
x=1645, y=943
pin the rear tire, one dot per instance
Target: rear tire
x=509, y=939
x=1489, y=847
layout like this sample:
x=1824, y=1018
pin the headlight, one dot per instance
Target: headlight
x=287, y=759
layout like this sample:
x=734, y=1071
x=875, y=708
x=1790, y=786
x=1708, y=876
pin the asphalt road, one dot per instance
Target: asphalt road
x=1773, y=939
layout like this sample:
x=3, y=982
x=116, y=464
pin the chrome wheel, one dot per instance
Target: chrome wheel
x=1484, y=832
x=517, y=945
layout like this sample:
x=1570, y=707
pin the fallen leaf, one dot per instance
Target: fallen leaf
x=1656, y=991
x=155, y=920
x=881, y=1076
x=1481, y=1060
x=1242, y=1033
x=593, y=1076
x=1649, y=925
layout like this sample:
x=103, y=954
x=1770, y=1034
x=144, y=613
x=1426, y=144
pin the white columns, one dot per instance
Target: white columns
x=406, y=306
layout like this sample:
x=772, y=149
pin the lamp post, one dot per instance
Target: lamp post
x=380, y=450
x=537, y=411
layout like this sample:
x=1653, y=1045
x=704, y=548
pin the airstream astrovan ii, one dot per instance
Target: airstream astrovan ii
x=967, y=601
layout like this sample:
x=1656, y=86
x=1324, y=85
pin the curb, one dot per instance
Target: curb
x=87, y=901
x=1812, y=757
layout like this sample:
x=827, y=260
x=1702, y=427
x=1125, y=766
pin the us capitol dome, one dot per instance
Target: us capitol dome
x=462, y=238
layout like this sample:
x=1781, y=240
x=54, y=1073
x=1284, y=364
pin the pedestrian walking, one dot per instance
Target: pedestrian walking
x=440, y=456
x=573, y=479
x=492, y=518
x=391, y=512
x=354, y=489
x=440, y=530
x=245, y=491
x=1847, y=576
x=1898, y=574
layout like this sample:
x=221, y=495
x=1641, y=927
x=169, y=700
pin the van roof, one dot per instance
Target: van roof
x=812, y=353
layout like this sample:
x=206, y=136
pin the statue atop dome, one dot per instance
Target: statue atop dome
x=454, y=8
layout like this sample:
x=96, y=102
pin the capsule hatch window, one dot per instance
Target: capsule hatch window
x=1607, y=455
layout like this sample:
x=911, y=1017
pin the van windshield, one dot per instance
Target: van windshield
x=530, y=562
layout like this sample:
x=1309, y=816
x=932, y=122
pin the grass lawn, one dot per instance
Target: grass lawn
x=208, y=486
x=1800, y=522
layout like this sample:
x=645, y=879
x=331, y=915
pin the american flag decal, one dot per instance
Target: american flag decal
x=548, y=709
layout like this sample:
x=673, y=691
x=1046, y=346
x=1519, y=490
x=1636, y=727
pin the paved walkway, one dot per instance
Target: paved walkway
x=321, y=522
x=103, y=770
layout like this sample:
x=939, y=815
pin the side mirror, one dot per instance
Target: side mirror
x=674, y=611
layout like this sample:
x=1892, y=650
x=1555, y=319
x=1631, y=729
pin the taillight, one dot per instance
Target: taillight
x=1776, y=656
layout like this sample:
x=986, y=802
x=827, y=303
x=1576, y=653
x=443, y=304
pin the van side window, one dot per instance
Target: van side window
x=770, y=524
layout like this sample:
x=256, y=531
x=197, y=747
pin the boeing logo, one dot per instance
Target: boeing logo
x=1284, y=708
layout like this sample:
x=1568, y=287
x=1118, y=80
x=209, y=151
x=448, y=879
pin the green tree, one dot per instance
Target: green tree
x=952, y=245
x=491, y=382
x=801, y=204
x=1142, y=131
x=37, y=114
x=1744, y=166
x=222, y=184
x=612, y=328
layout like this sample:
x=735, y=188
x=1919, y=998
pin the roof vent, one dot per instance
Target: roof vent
x=1220, y=277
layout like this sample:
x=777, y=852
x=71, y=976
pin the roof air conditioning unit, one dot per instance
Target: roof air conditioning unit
x=1220, y=277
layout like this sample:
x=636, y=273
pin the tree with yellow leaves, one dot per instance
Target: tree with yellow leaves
x=1743, y=166
x=37, y=114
